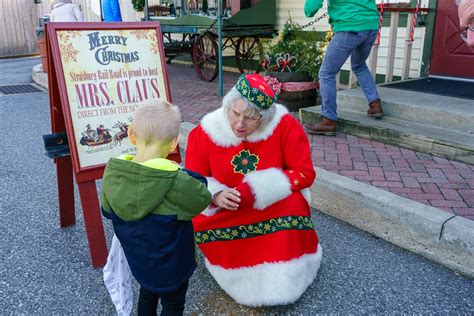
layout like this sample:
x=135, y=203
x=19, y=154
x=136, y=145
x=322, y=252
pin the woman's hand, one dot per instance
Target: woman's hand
x=228, y=199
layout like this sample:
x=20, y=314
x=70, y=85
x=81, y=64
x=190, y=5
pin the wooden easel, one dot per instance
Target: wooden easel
x=66, y=158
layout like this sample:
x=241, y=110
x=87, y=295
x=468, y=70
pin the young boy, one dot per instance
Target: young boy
x=151, y=202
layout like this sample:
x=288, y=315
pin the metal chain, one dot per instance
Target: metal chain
x=315, y=20
x=209, y=29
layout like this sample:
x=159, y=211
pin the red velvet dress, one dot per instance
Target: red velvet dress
x=267, y=252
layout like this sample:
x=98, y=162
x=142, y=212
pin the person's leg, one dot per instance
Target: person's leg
x=147, y=303
x=337, y=52
x=173, y=303
x=359, y=66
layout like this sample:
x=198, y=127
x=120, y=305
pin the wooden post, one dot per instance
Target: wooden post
x=64, y=175
x=352, y=80
x=374, y=55
x=93, y=223
x=408, y=48
x=392, y=43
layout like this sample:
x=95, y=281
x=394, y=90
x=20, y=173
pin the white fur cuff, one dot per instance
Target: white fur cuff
x=268, y=186
x=213, y=186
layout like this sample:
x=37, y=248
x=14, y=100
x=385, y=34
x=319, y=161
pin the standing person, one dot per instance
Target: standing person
x=65, y=11
x=257, y=236
x=111, y=11
x=151, y=202
x=355, y=24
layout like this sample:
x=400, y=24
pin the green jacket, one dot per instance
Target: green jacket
x=347, y=15
x=151, y=205
x=158, y=186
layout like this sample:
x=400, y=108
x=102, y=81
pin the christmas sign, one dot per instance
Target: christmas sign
x=107, y=74
x=99, y=74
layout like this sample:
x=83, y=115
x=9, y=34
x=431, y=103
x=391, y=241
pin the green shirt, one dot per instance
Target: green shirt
x=347, y=15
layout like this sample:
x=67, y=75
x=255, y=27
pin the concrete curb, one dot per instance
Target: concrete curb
x=430, y=232
x=39, y=77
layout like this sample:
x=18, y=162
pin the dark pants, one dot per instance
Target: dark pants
x=171, y=303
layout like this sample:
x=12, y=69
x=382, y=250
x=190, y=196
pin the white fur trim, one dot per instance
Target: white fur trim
x=277, y=283
x=210, y=211
x=307, y=195
x=217, y=125
x=268, y=186
x=213, y=186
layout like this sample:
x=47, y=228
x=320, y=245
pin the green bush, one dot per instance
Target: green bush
x=292, y=51
x=138, y=5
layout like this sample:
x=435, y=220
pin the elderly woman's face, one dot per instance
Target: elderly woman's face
x=241, y=124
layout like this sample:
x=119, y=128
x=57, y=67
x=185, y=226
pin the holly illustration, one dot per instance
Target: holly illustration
x=244, y=162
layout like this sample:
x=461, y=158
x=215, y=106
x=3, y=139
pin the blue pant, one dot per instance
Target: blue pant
x=345, y=44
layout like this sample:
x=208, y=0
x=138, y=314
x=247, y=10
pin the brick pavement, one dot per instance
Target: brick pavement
x=442, y=183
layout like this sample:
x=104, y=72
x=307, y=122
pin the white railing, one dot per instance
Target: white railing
x=390, y=56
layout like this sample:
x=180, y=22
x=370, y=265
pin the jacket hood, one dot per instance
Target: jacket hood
x=136, y=189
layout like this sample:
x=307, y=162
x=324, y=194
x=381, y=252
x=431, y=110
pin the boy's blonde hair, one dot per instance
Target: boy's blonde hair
x=156, y=121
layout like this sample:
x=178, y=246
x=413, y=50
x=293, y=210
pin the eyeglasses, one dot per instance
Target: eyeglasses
x=245, y=119
x=470, y=26
x=464, y=33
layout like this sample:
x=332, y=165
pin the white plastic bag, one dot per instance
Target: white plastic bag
x=117, y=279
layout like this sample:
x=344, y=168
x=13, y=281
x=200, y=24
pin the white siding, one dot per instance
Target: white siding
x=295, y=10
x=416, y=55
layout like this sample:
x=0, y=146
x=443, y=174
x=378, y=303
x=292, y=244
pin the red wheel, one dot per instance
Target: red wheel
x=249, y=54
x=205, y=57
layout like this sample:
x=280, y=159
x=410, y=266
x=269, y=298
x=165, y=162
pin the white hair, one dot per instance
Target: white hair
x=251, y=110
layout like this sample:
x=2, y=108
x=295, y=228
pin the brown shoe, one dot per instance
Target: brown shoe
x=324, y=127
x=375, y=109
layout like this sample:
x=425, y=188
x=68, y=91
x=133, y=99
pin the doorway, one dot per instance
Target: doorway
x=450, y=54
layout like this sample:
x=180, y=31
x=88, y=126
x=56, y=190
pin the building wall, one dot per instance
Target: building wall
x=19, y=19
